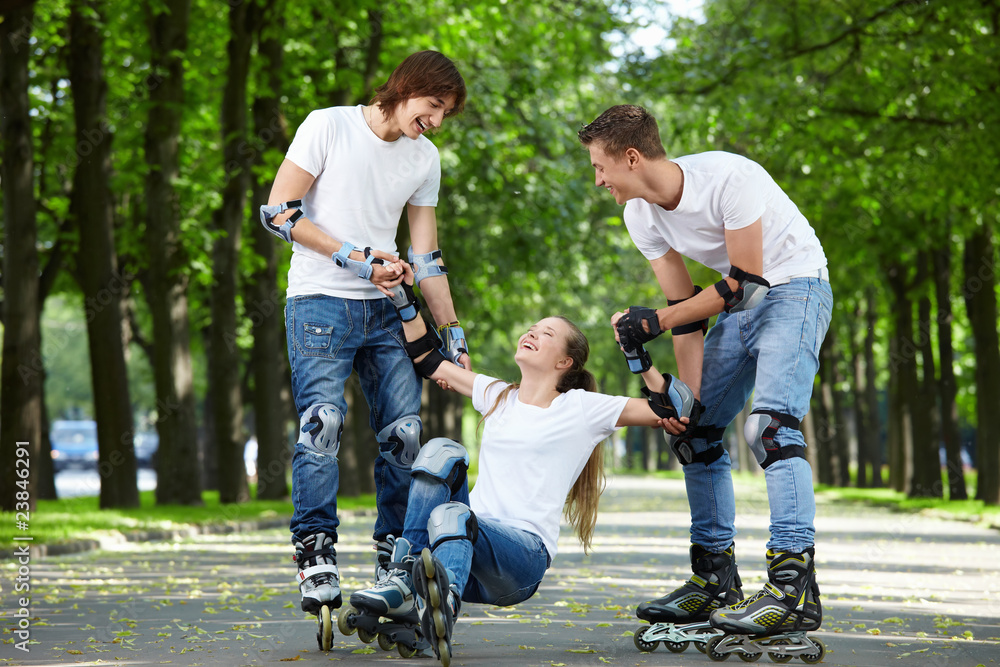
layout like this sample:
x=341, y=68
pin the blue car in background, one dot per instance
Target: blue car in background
x=74, y=444
x=147, y=443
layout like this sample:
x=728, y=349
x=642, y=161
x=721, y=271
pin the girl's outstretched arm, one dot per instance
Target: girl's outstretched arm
x=639, y=412
x=447, y=374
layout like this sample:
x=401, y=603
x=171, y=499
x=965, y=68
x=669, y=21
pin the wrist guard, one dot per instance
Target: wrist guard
x=635, y=355
x=406, y=302
x=631, y=325
x=691, y=327
x=455, y=344
x=342, y=258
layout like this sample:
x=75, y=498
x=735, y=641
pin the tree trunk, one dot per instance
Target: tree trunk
x=840, y=443
x=351, y=449
x=903, y=377
x=650, y=450
x=861, y=426
x=871, y=392
x=97, y=263
x=21, y=372
x=981, y=302
x=926, y=443
x=178, y=473
x=264, y=300
x=825, y=425
x=224, y=360
x=948, y=386
x=808, y=427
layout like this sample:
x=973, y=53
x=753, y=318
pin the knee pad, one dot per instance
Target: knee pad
x=452, y=521
x=444, y=460
x=399, y=442
x=683, y=448
x=760, y=429
x=320, y=428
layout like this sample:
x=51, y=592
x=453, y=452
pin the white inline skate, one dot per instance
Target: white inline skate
x=319, y=583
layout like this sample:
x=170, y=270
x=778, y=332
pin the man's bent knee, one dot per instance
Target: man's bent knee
x=761, y=427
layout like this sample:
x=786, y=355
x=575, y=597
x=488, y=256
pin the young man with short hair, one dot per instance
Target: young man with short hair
x=774, y=305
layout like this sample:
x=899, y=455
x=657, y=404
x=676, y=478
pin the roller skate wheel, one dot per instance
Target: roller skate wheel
x=813, y=658
x=639, y=638
x=344, y=623
x=366, y=636
x=676, y=647
x=750, y=657
x=440, y=624
x=324, y=634
x=427, y=558
x=385, y=642
x=405, y=651
x=444, y=652
x=710, y=647
x=780, y=658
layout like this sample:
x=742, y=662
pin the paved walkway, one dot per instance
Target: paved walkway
x=898, y=589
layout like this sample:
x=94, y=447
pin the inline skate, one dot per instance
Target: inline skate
x=319, y=583
x=680, y=618
x=774, y=620
x=437, y=604
x=386, y=611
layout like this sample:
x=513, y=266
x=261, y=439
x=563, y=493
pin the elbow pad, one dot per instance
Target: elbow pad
x=751, y=290
x=690, y=327
x=268, y=213
x=425, y=264
x=675, y=401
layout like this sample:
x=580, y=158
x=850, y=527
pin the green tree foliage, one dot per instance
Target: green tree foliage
x=874, y=117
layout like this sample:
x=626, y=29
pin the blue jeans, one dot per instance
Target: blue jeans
x=772, y=352
x=328, y=337
x=504, y=566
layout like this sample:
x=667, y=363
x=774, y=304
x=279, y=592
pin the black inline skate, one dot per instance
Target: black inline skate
x=681, y=617
x=776, y=619
x=319, y=583
x=386, y=611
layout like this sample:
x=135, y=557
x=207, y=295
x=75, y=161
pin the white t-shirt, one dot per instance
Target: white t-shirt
x=362, y=184
x=531, y=456
x=726, y=191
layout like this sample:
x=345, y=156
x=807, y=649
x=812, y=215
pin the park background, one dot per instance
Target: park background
x=140, y=290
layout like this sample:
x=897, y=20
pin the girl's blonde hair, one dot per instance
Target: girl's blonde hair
x=583, y=498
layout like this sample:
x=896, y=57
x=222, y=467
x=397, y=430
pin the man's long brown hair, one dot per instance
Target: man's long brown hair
x=423, y=74
x=583, y=498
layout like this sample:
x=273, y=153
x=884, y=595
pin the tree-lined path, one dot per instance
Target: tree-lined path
x=898, y=589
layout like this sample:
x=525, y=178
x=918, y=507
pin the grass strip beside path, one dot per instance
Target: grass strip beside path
x=61, y=521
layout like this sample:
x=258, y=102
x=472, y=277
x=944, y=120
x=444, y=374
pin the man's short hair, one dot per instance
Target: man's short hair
x=622, y=127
